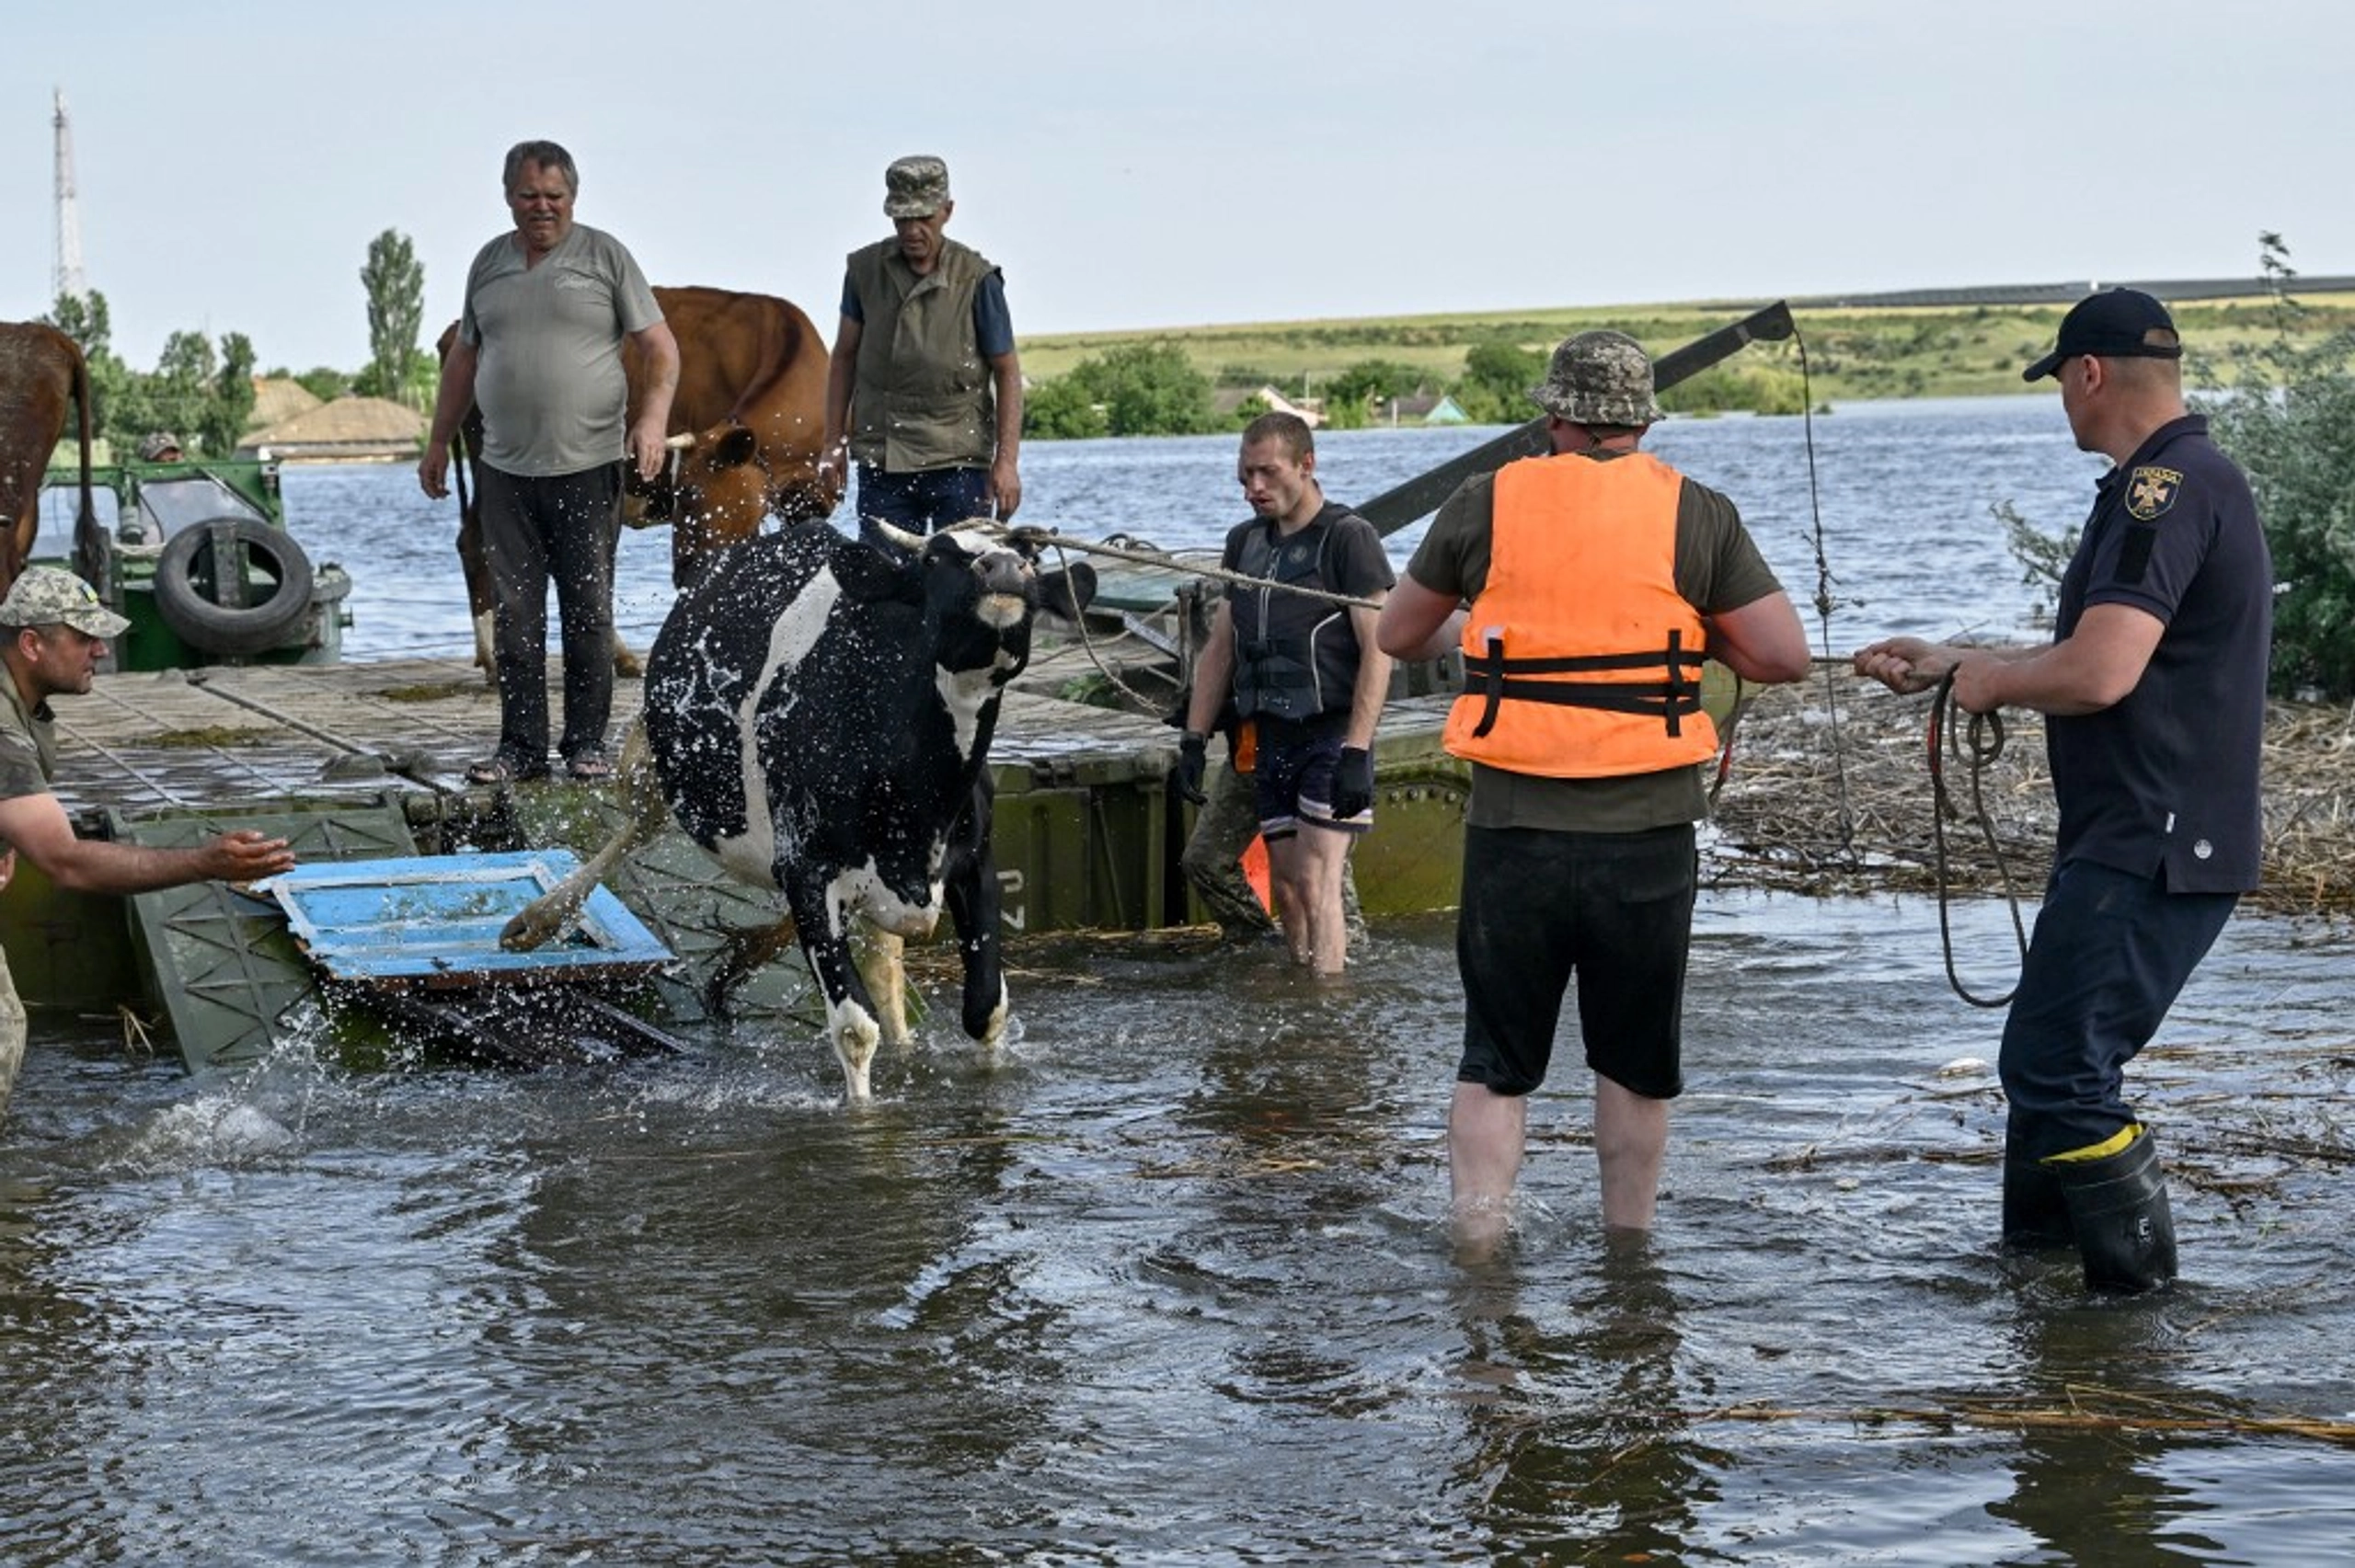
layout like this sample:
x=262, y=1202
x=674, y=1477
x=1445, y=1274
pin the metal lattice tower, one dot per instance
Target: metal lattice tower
x=67, y=279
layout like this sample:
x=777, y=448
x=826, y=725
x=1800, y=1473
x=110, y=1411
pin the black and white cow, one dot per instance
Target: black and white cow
x=818, y=715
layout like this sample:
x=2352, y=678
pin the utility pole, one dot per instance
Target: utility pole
x=67, y=279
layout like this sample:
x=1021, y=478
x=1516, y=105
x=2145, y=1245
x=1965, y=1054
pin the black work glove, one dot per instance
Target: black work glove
x=1352, y=782
x=1193, y=757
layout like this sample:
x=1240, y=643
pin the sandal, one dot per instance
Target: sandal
x=590, y=767
x=503, y=768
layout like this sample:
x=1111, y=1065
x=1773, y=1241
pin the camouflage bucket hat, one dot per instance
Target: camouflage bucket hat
x=156, y=444
x=48, y=596
x=915, y=188
x=1599, y=378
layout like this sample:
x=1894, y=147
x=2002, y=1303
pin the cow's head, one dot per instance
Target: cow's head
x=979, y=591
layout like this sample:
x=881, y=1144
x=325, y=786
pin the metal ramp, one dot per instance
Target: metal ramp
x=410, y=940
x=223, y=962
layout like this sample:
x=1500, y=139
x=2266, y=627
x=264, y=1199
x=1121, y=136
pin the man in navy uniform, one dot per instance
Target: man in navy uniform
x=2153, y=691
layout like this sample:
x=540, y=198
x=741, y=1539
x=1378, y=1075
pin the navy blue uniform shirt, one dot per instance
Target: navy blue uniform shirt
x=2164, y=781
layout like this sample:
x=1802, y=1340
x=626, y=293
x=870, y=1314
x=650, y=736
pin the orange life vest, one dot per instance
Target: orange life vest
x=1581, y=659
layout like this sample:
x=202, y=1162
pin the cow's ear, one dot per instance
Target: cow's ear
x=869, y=574
x=1068, y=591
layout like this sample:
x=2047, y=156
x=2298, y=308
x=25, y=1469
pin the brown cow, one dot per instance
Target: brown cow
x=40, y=372
x=751, y=414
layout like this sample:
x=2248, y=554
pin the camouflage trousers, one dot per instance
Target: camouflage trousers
x=1224, y=828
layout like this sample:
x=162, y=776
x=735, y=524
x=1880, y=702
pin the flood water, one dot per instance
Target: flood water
x=1168, y=1279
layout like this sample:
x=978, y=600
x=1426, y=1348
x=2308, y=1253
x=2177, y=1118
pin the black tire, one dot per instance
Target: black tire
x=191, y=558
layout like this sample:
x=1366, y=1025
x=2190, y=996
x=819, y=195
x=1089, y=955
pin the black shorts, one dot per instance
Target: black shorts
x=1291, y=778
x=1615, y=910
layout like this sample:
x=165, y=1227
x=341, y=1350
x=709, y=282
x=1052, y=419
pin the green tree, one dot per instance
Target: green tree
x=1494, y=389
x=2289, y=420
x=1146, y=389
x=230, y=408
x=1354, y=396
x=1062, y=409
x=87, y=321
x=1752, y=389
x=324, y=382
x=395, y=281
x=178, y=395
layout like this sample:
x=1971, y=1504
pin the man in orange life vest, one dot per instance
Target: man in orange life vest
x=1598, y=580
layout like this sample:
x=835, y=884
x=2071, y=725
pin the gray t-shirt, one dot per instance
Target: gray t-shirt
x=550, y=378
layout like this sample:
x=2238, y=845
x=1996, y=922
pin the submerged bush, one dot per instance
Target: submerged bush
x=2289, y=420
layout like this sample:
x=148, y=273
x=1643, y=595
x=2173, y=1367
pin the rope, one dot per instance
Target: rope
x=1087, y=639
x=1121, y=547
x=1147, y=556
x=1985, y=741
x=1824, y=603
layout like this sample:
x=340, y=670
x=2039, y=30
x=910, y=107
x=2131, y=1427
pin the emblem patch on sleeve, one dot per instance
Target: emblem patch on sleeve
x=2150, y=491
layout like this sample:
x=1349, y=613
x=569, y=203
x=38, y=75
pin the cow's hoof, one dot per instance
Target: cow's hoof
x=854, y=1043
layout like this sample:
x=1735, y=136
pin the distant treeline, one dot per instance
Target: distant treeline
x=1358, y=372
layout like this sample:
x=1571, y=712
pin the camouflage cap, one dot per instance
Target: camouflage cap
x=157, y=443
x=915, y=188
x=51, y=596
x=1599, y=378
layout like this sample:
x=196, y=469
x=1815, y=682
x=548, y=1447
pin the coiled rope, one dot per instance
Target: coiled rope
x=1981, y=743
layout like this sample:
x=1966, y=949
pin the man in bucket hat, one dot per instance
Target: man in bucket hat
x=1597, y=578
x=55, y=628
x=2153, y=690
x=924, y=392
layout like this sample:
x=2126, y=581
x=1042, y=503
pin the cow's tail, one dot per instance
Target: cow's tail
x=460, y=459
x=91, y=551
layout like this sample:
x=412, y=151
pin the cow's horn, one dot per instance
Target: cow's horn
x=913, y=542
x=684, y=442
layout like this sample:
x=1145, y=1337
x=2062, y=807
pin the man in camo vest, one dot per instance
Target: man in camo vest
x=924, y=393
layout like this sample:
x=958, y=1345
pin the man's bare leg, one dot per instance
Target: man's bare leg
x=1486, y=1132
x=1630, y=1142
x=1322, y=854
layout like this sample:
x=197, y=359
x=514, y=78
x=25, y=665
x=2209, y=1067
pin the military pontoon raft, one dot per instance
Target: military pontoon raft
x=364, y=764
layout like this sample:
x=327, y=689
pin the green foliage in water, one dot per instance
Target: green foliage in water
x=1738, y=389
x=1494, y=388
x=2289, y=420
x=1355, y=398
x=1136, y=389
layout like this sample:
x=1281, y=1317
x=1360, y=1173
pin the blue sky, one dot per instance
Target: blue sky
x=1134, y=167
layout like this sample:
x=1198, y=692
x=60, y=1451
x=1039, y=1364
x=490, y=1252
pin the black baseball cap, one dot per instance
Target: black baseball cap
x=2115, y=321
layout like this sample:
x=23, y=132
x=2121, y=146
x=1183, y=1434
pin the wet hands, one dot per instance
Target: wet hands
x=1910, y=664
x=1905, y=664
x=650, y=445
x=1193, y=761
x=1353, y=784
x=245, y=856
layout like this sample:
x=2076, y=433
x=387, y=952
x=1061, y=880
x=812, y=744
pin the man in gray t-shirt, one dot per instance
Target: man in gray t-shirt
x=547, y=308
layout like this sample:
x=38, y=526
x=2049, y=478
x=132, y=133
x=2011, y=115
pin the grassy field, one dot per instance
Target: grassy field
x=1852, y=354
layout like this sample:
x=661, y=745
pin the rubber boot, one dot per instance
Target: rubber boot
x=2118, y=1207
x=2036, y=1210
